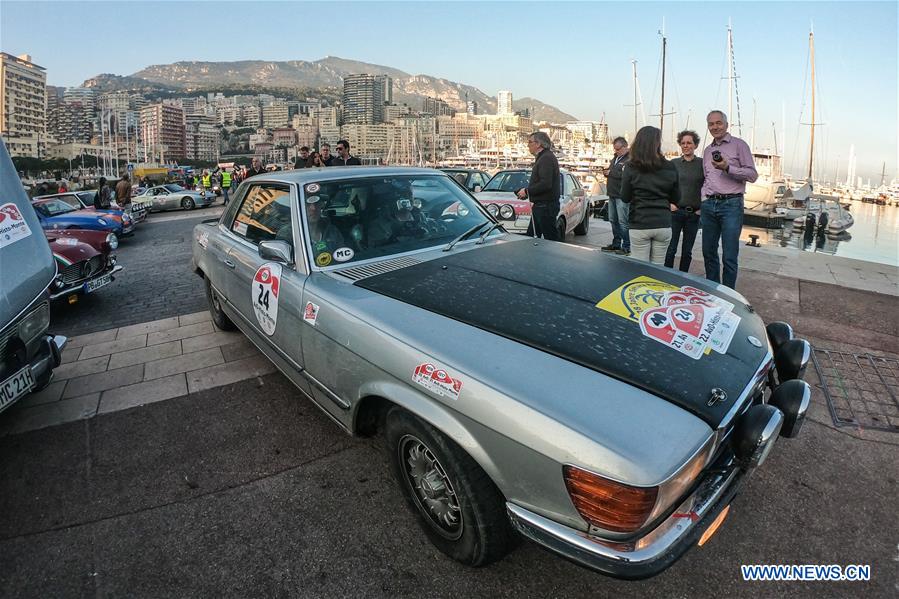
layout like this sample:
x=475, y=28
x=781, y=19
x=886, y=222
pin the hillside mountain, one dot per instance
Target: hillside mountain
x=327, y=73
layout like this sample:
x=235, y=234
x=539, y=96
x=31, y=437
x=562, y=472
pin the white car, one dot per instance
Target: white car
x=172, y=196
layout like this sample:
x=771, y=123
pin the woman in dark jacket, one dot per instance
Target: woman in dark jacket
x=650, y=186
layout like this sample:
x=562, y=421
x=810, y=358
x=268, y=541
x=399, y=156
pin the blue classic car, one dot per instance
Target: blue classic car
x=55, y=213
x=136, y=211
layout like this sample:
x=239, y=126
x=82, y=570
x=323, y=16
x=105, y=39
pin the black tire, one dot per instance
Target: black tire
x=560, y=227
x=584, y=225
x=215, y=309
x=187, y=203
x=467, y=518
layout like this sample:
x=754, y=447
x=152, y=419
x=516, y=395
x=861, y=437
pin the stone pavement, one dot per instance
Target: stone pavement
x=131, y=366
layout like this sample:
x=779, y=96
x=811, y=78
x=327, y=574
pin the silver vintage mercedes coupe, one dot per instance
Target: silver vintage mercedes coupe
x=605, y=408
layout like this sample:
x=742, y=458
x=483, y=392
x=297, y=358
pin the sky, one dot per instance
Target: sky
x=573, y=55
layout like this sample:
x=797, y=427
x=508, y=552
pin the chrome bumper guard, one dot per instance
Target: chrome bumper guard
x=643, y=557
x=76, y=288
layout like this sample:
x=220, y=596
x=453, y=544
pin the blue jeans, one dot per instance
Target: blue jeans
x=722, y=219
x=688, y=222
x=225, y=193
x=619, y=213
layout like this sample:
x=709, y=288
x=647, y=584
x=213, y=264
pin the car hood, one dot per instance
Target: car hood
x=497, y=196
x=586, y=307
x=59, y=238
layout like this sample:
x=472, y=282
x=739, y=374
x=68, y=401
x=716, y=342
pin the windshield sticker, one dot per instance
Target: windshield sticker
x=12, y=225
x=686, y=319
x=264, y=296
x=240, y=228
x=344, y=254
x=320, y=246
x=313, y=188
x=437, y=381
x=310, y=313
x=323, y=259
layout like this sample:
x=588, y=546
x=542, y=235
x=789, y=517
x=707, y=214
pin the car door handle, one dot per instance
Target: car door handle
x=228, y=263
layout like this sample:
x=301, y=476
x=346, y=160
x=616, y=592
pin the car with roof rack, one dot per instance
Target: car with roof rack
x=606, y=408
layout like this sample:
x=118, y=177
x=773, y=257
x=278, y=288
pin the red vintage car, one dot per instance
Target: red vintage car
x=85, y=261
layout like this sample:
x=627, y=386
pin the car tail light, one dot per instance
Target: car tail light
x=608, y=504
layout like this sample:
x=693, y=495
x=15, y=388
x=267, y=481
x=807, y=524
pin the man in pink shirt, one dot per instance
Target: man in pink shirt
x=727, y=164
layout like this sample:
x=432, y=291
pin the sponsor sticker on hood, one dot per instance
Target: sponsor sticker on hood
x=12, y=225
x=686, y=319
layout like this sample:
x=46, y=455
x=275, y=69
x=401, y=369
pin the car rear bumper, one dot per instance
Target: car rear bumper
x=643, y=557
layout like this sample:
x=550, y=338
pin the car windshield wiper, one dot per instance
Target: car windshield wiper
x=483, y=236
x=464, y=236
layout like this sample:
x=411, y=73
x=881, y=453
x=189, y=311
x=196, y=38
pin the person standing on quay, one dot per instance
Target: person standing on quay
x=226, y=184
x=618, y=210
x=685, y=217
x=123, y=191
x=544, y=188
x=256, y=168
x=727, y=164
x=343, y=157
x=327, y=159
x=650, y=186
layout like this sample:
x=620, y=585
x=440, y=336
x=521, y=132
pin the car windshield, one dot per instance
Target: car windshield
x=71, y=200
x=359, y=219
x=172, y=187
x=508, y=181
x=53, y=207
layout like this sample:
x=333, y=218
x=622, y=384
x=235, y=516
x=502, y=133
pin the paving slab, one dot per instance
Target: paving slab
x=92, y=338
x=111, y=347
x=216, y=339
x=181, y=332
x=141, y=394
x=147, y=327
x=230, y=372
x=81, y=368
x=52, y=414
x=239, y=350
x=102, y=381
x=49, y=394
x=183, y=363
x=193, y=318
x=69, y=354
x=145, y=354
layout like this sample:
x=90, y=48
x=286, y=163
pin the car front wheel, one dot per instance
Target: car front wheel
x=219, y=317
x=187, y=203
x=459, y=508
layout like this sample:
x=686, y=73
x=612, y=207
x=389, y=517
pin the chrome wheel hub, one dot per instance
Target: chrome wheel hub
x=431, y=488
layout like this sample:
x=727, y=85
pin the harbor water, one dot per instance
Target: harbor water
x=874, y=236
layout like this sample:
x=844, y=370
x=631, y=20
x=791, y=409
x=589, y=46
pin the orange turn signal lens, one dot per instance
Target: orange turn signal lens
x=713, y=528
x=608, y=504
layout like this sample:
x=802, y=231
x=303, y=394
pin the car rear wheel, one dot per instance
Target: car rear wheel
x=584, y=225
x=187, y=203
x=459, y=508
x=215, y=309
x=560, y=227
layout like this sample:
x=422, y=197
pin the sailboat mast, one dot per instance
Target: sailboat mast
x=811, y=149
x=634, y=62
x=730, y=71
x=662, y=107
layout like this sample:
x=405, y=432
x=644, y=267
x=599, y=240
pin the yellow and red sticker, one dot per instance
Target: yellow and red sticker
x=686, y=319
x=437, y=380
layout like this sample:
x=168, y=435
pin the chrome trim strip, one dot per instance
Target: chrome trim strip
x=599, y=554
x=77, y=286
x=341, y=403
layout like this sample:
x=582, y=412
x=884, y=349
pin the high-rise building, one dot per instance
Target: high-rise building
x=201, y=137
x=162, y=129
x=471, y=107
x=437, y=107
x=363, y=99
x=387, y=82
x=23, y=97
x=276, y=114
x=504, y=102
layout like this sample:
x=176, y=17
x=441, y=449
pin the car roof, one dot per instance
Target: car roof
x=336, y=173
x=525, y=170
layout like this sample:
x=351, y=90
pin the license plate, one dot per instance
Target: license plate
x=92, y=286
x=15, y=387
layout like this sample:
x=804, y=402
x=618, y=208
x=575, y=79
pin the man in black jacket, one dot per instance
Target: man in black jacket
x=544, y=188
x=619, y=211
x=343, y=157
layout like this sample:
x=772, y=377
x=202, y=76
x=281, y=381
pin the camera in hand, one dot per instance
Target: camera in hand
x=716, y=156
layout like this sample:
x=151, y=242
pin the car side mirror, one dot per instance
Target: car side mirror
x=477, y=188
x=276, y=251
x=577, y=193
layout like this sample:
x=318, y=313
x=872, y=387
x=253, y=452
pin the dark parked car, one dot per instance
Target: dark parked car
x=85, y=261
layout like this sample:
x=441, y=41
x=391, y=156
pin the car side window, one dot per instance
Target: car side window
x=264, y=214
x=569, y=185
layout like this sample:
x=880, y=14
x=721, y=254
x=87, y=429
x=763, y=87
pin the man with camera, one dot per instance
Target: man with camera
x=544, y=188
x=727, y=165
x=619, y=210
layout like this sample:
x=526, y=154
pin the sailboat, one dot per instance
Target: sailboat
x=837, y=218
